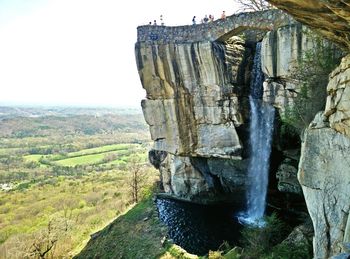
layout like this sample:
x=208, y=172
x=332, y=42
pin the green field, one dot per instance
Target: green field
x=102, y=149
x=85, y=159
x=32, y=158
x=63, y=178
x=108, y=154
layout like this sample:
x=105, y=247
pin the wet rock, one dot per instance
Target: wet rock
x=156, y=157
x=301, y=235
x=287, y=177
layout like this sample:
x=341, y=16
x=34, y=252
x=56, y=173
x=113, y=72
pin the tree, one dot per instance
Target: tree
x=137, y=179
x=45, y=241
x=311, y=74
x=253, y=5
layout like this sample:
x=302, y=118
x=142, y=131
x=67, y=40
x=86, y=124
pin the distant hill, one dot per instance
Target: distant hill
x=40, y=111
x=22, y=122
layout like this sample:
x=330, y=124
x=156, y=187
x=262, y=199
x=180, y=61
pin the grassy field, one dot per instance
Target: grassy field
x=109, y=154
x=76, y=208
x=64, y=178
x=85, y=159
x=137, y=234
x=32, y=158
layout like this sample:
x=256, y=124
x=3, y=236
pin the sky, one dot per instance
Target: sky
x=81, y=52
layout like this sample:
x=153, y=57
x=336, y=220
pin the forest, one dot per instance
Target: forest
x=65, y=173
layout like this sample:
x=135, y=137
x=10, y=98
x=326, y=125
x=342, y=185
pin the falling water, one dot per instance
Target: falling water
x=261, y=127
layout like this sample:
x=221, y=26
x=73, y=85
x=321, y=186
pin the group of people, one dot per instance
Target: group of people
x=207, y=19
x=155, y=21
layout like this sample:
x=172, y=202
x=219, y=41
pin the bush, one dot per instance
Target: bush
x=258, y=241
x=289, y=251
x=311, y=74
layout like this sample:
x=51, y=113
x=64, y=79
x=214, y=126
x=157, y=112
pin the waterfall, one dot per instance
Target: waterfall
x=261, y=129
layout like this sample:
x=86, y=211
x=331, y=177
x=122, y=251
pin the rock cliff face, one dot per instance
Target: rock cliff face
x=330, y=17
x=197, y=106
x=281, y=50
x=198, y=114
x=324, y=170
x=194, y=109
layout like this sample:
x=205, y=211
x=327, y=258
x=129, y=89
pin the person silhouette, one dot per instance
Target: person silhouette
x=194, y=20
x=223, y=15
x=205, y=19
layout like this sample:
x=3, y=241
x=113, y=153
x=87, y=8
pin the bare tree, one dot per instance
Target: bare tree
x=253, y=5
x=136, y=168
x=45, y=242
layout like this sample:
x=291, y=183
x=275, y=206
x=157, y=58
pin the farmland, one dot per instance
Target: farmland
x=65, y=176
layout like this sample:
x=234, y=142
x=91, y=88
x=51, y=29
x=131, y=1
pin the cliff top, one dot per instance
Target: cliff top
x=220, y=29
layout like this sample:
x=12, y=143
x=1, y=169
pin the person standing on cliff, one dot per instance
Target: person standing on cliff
x=194, y=20
x=223, y=15
x=205, y=19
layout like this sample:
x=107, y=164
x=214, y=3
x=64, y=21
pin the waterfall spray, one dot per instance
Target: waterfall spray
x=261, y=129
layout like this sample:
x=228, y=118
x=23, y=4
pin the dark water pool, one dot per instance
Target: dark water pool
x=199, y=228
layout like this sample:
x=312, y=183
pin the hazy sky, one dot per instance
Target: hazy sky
x=81, y=52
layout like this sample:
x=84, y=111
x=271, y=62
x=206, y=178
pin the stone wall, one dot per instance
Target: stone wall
x=221, y=29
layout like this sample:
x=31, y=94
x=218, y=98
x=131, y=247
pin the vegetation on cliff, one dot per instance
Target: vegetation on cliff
x=311, y=74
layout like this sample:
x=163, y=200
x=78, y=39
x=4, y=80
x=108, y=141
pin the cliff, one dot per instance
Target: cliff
x=324, y=171
x=331, y=18
x=197, y=83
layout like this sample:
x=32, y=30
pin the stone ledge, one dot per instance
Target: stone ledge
x=220, y=29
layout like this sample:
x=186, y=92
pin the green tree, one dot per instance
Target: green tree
x=311, y=74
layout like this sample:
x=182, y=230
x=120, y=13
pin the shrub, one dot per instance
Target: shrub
x=260, y=240
x=311, y=74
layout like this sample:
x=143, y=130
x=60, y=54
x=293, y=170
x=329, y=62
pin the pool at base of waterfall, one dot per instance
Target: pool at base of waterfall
x=199, y=228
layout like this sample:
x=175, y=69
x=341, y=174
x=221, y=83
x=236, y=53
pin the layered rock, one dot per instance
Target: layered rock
x=193, y=109
x=324, y=168
x=338, y=99
x=330, y=17
x=282, y=52
x=324, y=172
x=324, y=165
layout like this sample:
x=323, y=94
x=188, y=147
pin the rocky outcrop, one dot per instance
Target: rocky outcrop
x=324, y=165
x=194, y=109
x=197, y=107
x=324, y=169
x=338, y=99
x=283, y=50
x=330, y=17
x=287, y=177
x=324, y=172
